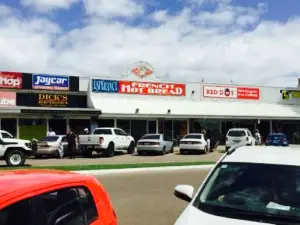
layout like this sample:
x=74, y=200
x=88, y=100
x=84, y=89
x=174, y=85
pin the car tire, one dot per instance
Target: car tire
x=87, y=153
x=163, y=152
x=172, y=149
x=131, y=149
x=15, y=158
x=139, y=152
x=182, y=152
x=110, y=151
x=206, y=150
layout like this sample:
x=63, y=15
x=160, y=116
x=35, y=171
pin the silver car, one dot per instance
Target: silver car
x=155, y=143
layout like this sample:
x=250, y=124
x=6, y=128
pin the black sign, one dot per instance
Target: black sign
x=51, y=100
x=61, y=112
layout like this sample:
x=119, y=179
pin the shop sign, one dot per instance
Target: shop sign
x=150, y=88
x=50, y=82
x=245, y=93
x=141, y=69
x=52, y=100
x=290, y=94
x=7, y=99
x=105, y=86
x=10, y=80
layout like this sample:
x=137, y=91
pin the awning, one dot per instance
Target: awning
x=182, y=108
x=9, y=110
x=60, y=111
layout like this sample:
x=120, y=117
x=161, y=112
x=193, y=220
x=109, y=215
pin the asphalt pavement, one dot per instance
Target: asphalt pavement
x=146, y=198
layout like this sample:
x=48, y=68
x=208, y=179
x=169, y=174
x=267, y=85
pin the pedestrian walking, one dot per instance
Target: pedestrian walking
x=71, y=138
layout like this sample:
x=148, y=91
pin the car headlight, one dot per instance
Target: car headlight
x=28, y=145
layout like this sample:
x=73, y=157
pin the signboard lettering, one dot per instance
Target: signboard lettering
x=148, y=88
x=10, y=80
x=106, y=86
x=52, y=100
x=246, y=93
x=290, y=95
x=50, y=82
x=7, y=99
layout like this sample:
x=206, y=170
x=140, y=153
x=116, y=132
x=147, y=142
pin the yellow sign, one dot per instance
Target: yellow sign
x=290, y=94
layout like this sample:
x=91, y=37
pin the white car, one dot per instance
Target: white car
x=14, y=151
x=155, y=143
x=194, y=142
x=241, y=136
x=249, y=185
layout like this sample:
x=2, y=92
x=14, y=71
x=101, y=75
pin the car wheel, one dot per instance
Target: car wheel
x=130, y=149
x=87, y=153
x=139, y=152
x=182, y=152
x=172, y=149
x=110, y=151
x=206, y=150
x=15, y=158
x=163, y=152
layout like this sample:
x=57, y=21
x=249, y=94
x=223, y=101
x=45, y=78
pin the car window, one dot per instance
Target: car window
x=237, y=188
x=50, y=138
x=102, y=131
x=276, y=137
x=66, y=206
x=193, y=136
x=236, y=133
x=18, y=213
x=6, y=135
x=151, y=137
x=64, y=139
x=120, y=132
x=167, y=138
x=249, y=133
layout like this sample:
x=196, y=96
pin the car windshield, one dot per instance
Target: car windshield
x=276, y=136
x=50, y=138
x=236, y=133
x=152, y=137
x=193, y=136
x=252, y=191
x=102, y=131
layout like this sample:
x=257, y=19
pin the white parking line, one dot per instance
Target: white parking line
x=144, y=170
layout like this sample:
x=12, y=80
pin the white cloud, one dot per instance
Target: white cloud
x=179, y=46
x=113, y=8
x=48, y=5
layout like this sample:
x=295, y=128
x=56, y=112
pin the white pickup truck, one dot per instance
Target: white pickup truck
x=14, y=151
x=107, y=140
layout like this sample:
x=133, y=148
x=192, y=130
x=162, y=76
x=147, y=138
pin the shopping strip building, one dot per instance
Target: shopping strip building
x=141, y=102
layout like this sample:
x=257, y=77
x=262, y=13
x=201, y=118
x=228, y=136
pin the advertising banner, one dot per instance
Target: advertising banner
x=138, y=88
x=51, y=100
x=10, y=80
x=50, y=82
x=7, y=99
x=243, y=93
x=290, y=96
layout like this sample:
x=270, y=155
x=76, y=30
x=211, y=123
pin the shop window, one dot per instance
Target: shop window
x=59, y=126
x=32, y=128
x=106, y=123
x=124, y=125
x=166, y=128
x=78, y=125
x=180, y=129
x=138, y=129
x=152, y=126
x=9, y=125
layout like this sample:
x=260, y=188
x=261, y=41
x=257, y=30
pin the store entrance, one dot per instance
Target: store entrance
x=59, y=126
x=138, y=129
x=152, y=127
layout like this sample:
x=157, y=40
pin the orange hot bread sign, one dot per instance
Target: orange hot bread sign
x=150, y=88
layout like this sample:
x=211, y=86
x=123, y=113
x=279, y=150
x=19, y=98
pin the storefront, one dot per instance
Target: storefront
x=147, y=104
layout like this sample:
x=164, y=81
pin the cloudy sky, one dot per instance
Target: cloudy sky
x=246, y=41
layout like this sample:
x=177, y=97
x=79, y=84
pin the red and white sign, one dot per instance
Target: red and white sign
x=10, y=80
x=246, y=93
x=7, y=99
x=149, y=88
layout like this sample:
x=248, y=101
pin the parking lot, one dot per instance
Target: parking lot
x=124, y=158
x=147, y=197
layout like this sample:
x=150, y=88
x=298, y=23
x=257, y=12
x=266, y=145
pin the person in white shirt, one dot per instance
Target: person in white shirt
x=51, y=132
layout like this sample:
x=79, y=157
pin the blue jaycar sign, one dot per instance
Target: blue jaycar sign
x=105, y=86
x=50, y=82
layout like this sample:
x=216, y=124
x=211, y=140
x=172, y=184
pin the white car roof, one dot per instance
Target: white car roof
x=265, y=154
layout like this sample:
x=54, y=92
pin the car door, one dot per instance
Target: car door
x=167, y=142
x=125, y=138
x=119, y=139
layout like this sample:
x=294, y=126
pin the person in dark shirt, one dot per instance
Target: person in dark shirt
x=71, y=138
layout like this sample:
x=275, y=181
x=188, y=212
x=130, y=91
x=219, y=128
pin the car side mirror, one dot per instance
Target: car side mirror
x=184, y=192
